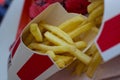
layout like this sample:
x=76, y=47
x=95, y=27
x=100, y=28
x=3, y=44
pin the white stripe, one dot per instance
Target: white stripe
x=49, y=72
x=21, y=56
x=111, y=53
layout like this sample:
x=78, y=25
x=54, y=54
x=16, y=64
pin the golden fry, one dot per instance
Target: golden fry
x=80, y=55
x=92, y=50
x=97, y=12
x=51, y=54
x=66, y=59
x=58, y=32
x=60, y=63
x=95, y=62
x=91, y=7
x=79, y=68
x=42, y=47
x=72, y=23
x=28, y=39
x=35, y=31
x=81, y=29
x=54, y=39
x=81, y=44
x=73, y=50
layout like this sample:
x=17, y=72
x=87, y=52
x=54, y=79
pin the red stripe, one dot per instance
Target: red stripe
x=16, y=44
x=35, y=66
x=24, y=17
x=110, y=35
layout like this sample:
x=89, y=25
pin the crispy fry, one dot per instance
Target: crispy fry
x=95, y=62
x=35, y=31
x=72, y=23
x=56, y=49
x=81, y=29
x=58, y=32
x=91, y=7
x=97, y=12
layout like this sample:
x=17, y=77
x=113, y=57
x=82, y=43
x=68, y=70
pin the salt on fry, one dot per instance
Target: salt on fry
x=35, y=31
x=57, y=31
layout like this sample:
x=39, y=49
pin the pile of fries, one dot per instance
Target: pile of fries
x=66, y=42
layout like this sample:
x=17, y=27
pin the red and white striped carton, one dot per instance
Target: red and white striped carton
x=108, y=40
x=30, y=65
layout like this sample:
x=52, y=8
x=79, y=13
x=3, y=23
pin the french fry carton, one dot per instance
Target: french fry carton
x=30, y=65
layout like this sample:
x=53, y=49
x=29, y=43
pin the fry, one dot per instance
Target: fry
x=97, y=12
x=73, y=50
x=28, y=39
x=81, y=44
x=98, y=21
x=62, y=61
x=91, y=7
x=35, y=31
x=58, y=32
x=51, y=54
x=96, y=60
x=54, y=39
x=72, y=23
x=80, y=55
x=92, y=50
x=56, y=49
x=79, y=68
x=81, y=29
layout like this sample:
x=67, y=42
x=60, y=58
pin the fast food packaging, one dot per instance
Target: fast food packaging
x=108, y=39
x=26, y=64
x=30, y=65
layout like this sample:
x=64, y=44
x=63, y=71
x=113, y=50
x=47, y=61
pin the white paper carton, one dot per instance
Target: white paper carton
x=29, y=65
x=108, y=40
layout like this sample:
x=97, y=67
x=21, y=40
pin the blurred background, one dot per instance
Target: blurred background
x=4, y=5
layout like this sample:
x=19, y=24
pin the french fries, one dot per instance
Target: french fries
x=96, y=60
x=95, y=10
x=35, y=31
x=58, y=32
x=81, y=29
x=69, y=41
x=72, y=23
